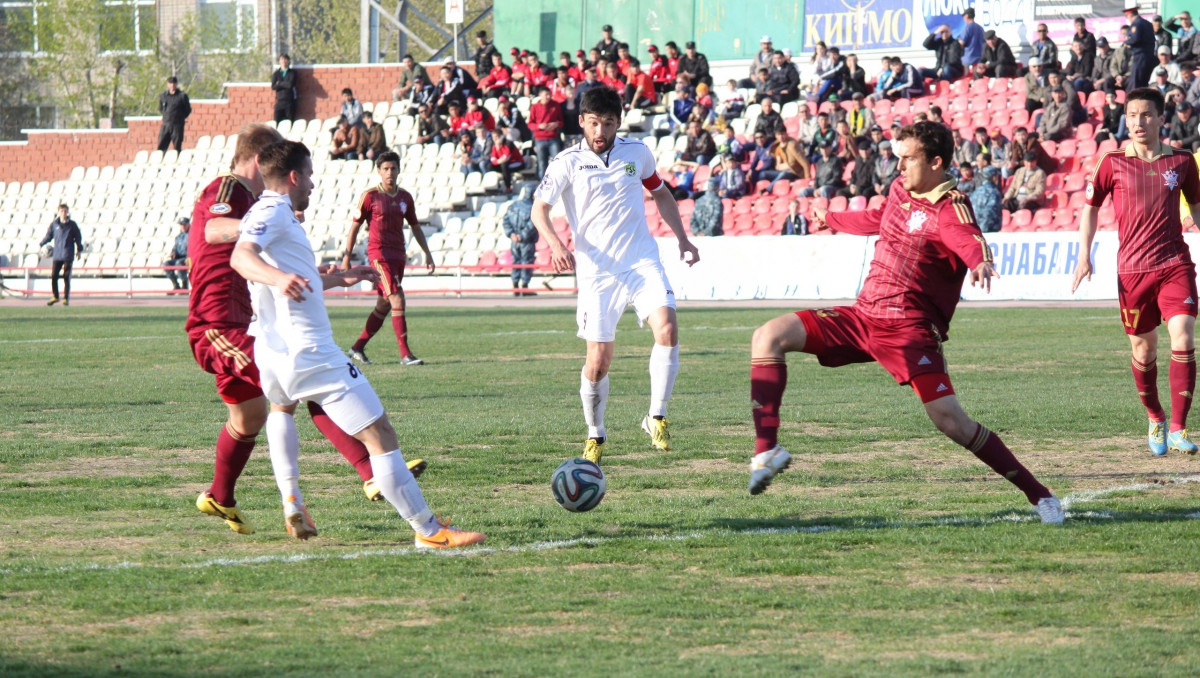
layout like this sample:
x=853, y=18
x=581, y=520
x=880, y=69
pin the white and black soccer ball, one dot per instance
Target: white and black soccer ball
x=578, y=485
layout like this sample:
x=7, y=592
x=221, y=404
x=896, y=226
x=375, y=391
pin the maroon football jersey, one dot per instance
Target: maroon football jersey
x=220, y=297
x=385, y=215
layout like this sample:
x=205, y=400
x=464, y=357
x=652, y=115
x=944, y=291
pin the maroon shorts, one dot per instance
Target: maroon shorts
x=228, y=354
x=1149, y=298
x=391, y=274
x=905, y=348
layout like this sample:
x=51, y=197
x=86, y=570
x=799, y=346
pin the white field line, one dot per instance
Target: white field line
x=404, y=551
x=66, y=340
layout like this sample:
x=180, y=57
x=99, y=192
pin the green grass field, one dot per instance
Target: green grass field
x=886, y=550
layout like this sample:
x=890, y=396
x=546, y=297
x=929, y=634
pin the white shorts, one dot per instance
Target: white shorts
x=603, y=299
x=323, y=375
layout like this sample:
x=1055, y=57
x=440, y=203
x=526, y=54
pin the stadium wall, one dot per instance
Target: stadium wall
x=49, y=155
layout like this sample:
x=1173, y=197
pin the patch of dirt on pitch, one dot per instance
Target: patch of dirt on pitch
x=1175, y=579
x=141, y=464
x=975, y=581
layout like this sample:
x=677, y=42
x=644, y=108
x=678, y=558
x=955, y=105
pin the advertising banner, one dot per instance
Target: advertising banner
x=1032, y=267
x=859, y=25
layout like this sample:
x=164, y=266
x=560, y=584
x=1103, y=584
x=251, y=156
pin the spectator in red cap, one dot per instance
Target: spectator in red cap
x=575, y=73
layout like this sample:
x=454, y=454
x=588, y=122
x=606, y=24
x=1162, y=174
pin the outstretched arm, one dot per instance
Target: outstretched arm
x=349, y=277
x=669, y=209
x=560, y=258
x=248, y=262
x=221, y=230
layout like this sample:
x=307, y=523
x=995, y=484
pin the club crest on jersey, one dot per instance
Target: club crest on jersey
x=1171, y=177
x=220, y=208
x=916, y=222
x=630, y=169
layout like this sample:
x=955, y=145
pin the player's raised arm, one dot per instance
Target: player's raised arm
x=669, y=209
x=1087, y=233
x=560, y=257
x=221, y=230
x=866, y=222
x=248, y=262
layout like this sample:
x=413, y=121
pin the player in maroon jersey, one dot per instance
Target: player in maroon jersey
x=928, y=242
x=385, y=208
x=1156, y=279
x=219, y=314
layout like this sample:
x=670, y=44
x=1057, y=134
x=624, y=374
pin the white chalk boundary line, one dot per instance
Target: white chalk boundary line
x=1014, y=517
x=68, y=340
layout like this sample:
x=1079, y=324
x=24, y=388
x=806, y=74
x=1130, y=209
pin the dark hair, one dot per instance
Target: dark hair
x=368, y=114
x=408, y=56
x=934, y=139
x=935, y=109
x=633, y=61
x=672, y=45
x=347, y=91
x=1147, y=94
x=835, y=49
x=285, y=55
x=481, y=34
x=252, y=139
x=388, y=156
x=63, y=206
x=173, y=80
x=623, y=45
x=282, y=158
x=602, y=101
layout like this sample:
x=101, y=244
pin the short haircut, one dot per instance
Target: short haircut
x=835, y=49
x=285, y=55
x=388, y=156
x=633, y=62
x=252, y=139
x=282, y=158
x=63, y=206
x=173, y=80
x=935, y=109
x=368, y=114
x=602, y=101
x=347, y=92
x=408, y=56
x=1147, y=94
x=933, y=138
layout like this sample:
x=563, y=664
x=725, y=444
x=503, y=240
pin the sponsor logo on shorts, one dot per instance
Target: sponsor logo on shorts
x=630, y=169
x=942, y=387
x=1190, y=301
x=220, y=208
x=924, y=360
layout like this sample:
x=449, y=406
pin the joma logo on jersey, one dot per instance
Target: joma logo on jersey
x=630, y=169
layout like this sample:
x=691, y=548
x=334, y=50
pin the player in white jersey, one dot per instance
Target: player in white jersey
x=600, y=182
x=297, y=358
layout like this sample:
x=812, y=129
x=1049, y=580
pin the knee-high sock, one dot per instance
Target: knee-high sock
x=1145, y=377
x=1182, y=375
x=233, y=451
x=993, y=452
x=284, y=445
x=349, y=446
x=664, y=367
x=768, y=379
x=374, y=322
x=401, y=326
x=400, y=488
x=595, y=397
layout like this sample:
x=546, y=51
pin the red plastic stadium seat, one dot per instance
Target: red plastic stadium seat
x=901, y=107
x=1078, y=200
x=1050, y=147
x=1054, y=182
x=979, y=86
x=488, y=261
x=882, y=107
x=857, y=204
x=1106, y=146
x=1042, y=219
x=820, y=204
x=1085, y=131
x=876, y=202
x=919, y=105
x=1005, y=220
x=761, y=206
x=1074, y=182
x=838, y=204
x=1066, y=149
x=1085, y=147
x=1064, y=217
x=1056, y=199
x=1022, y=218
x=702, y=174
x=782, y=189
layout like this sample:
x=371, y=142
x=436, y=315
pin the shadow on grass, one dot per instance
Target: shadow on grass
x=22, y=669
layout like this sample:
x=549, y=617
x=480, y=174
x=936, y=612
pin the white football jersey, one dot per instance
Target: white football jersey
x=285, y=326
x=602, y=196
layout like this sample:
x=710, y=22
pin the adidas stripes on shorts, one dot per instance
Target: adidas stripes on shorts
x=905, y=347
x=1149, y=298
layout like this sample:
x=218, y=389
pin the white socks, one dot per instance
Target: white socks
x=664, y=367
x=400, y=488
x=284, y=445
x=595, y=396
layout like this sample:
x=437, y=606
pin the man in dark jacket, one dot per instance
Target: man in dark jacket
x=484, y=50
x=862, y=177
x=283, y=82
x=179, y=257
x=518, y=226
x=828, y=176
x=1184, y=134
x=949, y=51
x=1141, y=47
x=175, y=108
x=68, y=245
x=998, y=56
x=783, y=80
x=695, y=65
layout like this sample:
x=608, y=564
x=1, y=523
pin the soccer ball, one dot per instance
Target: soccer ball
x=578, y=485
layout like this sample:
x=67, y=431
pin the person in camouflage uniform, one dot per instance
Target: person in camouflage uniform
x=986, y=201
x=518, y=226
x=708, y=213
